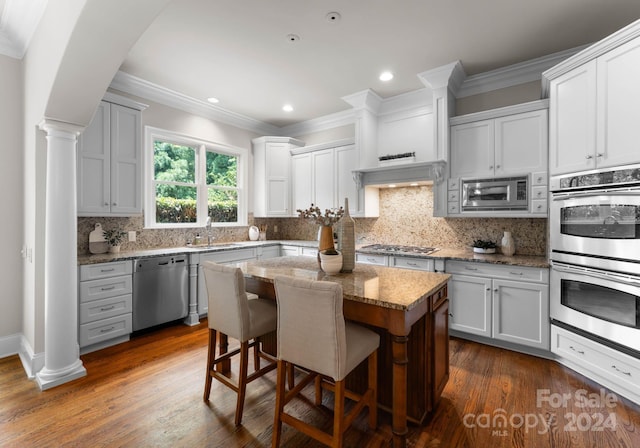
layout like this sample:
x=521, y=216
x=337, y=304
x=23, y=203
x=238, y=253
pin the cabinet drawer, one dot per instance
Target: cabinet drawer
x=523, y=273
x=453, y=207
x=103, y=288
x=539, y=178
x=453, y=196
x=539, y=206
x=422, y=264
x=103, y=330
x=288, y=251
x=539, y=193
x=309, y=251
x=104, y=308
x=105, y=270
x=607, y=362
x=380, y=260
x=453, y=183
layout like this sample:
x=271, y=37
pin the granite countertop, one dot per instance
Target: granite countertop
x=442, y=253
x=396, y=288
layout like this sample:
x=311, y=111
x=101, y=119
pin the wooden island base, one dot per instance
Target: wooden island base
x=413, y=361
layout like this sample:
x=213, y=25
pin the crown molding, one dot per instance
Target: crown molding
x=513, y=75
x=133, y=85
x=451, y=75
x=323, y=123
x=18, y=23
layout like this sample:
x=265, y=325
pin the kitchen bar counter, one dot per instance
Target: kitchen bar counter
x=408, y=309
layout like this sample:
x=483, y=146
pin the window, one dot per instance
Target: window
x=188, y=180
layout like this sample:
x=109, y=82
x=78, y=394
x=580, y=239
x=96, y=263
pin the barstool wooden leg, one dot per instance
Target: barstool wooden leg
x=338, y=416
x=256, y=355
x=211, y=355
x=242, y=381
x=318, y=384
x=373, y=385
x=277, y=422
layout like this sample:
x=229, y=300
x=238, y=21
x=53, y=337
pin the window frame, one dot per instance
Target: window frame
x=201, y=146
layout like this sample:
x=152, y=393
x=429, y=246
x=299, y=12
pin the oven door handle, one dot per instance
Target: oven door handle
x=590, y=194
x=620, y=278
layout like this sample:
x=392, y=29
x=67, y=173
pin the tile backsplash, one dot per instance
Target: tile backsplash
x=405, y=218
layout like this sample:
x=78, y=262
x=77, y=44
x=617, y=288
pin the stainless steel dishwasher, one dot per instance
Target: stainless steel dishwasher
x=160, y=290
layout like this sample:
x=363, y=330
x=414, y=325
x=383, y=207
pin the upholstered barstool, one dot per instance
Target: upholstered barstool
x=233, y=314
x=313, y=335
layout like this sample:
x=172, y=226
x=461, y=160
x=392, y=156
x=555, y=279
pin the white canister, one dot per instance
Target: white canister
x=254, y=233
x=508, y=245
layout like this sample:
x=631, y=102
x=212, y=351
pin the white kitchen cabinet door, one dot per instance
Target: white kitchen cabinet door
x=277, y=162
x=109, y=163
x=302, y=191
x=618, y=96
x=324, y=184
x=572, y=120
x=346, y=160
x=521, y=313
x=126, y=163
x=470, y=304
x=407, y=131
x=472, y=149
x=94, y=164
x=521, y=143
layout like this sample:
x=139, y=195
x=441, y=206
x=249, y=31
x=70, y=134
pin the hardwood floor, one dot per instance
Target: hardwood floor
x=148, y=392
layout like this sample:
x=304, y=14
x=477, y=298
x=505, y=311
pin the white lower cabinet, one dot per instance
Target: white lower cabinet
x=502, y=302
x=105, y=304
x=380, y=260
x=611, y=368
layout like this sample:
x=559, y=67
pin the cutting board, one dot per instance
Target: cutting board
x=97, y=243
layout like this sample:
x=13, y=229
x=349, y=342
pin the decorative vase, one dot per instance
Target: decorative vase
x=508, y=245
x=330, y=264
x=347, y=239
x=325, y=238
x=114, y=249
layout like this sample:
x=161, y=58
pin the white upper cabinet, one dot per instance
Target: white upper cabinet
x=272, y=176
x=512, y=143
x=110, y=162
x=322, y=175
x=593, y=102
x=407, y=132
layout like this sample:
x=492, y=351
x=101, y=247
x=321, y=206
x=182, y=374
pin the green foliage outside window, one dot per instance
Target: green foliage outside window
x=176, y=187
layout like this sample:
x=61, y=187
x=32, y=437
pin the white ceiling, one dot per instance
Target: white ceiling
x=238, y=51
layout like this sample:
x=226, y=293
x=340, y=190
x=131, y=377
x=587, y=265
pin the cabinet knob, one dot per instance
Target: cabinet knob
x=497, y=167
x=106, y=204
x=495, y=290
x=600, y=154
x=588, y=157
x=115, y=203
x=491, y=167
x=488, y=289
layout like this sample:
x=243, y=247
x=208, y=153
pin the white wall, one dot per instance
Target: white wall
x=11, y=178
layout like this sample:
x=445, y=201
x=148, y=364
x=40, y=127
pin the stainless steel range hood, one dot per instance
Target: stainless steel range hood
x=401, y=175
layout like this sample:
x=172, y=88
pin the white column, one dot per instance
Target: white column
x=62, y=354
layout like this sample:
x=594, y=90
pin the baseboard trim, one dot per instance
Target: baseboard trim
x=31, y=362
x=10, y=345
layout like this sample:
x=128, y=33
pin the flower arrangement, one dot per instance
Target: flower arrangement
x=482, y=244
x=328, y=218
x=114, y=237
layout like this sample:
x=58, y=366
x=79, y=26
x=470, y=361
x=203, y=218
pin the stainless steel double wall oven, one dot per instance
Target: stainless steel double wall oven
x=595, y=256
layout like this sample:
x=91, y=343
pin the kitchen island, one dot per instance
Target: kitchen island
x=409, y=309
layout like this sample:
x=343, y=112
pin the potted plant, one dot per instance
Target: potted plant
x=484, y=246
x=330, y=261
x=114, y=238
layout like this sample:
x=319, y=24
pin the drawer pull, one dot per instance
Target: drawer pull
x=108, y=270
x=107, y=288
x=516, y=273
x=107, y=330
x=621, y=371
x=409, y=263
x=451, y=314
x=578, y=351
x=107, y=308
x=470, y=269
x=372, y=260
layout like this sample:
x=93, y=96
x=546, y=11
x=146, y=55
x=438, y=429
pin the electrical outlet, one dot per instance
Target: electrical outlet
x=275, y=229
x=132, y=236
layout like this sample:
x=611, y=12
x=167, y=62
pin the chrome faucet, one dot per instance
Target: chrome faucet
x=209, y=236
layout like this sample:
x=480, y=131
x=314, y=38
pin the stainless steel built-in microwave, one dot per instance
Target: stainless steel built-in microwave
x=509, y=193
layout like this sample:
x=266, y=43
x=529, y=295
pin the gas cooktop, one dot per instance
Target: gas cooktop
x=400, y=249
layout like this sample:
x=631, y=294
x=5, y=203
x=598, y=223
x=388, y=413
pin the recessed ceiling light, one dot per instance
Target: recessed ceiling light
x=213, y=100
x=287, y=108
x=333, y=17
x=386, y=76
